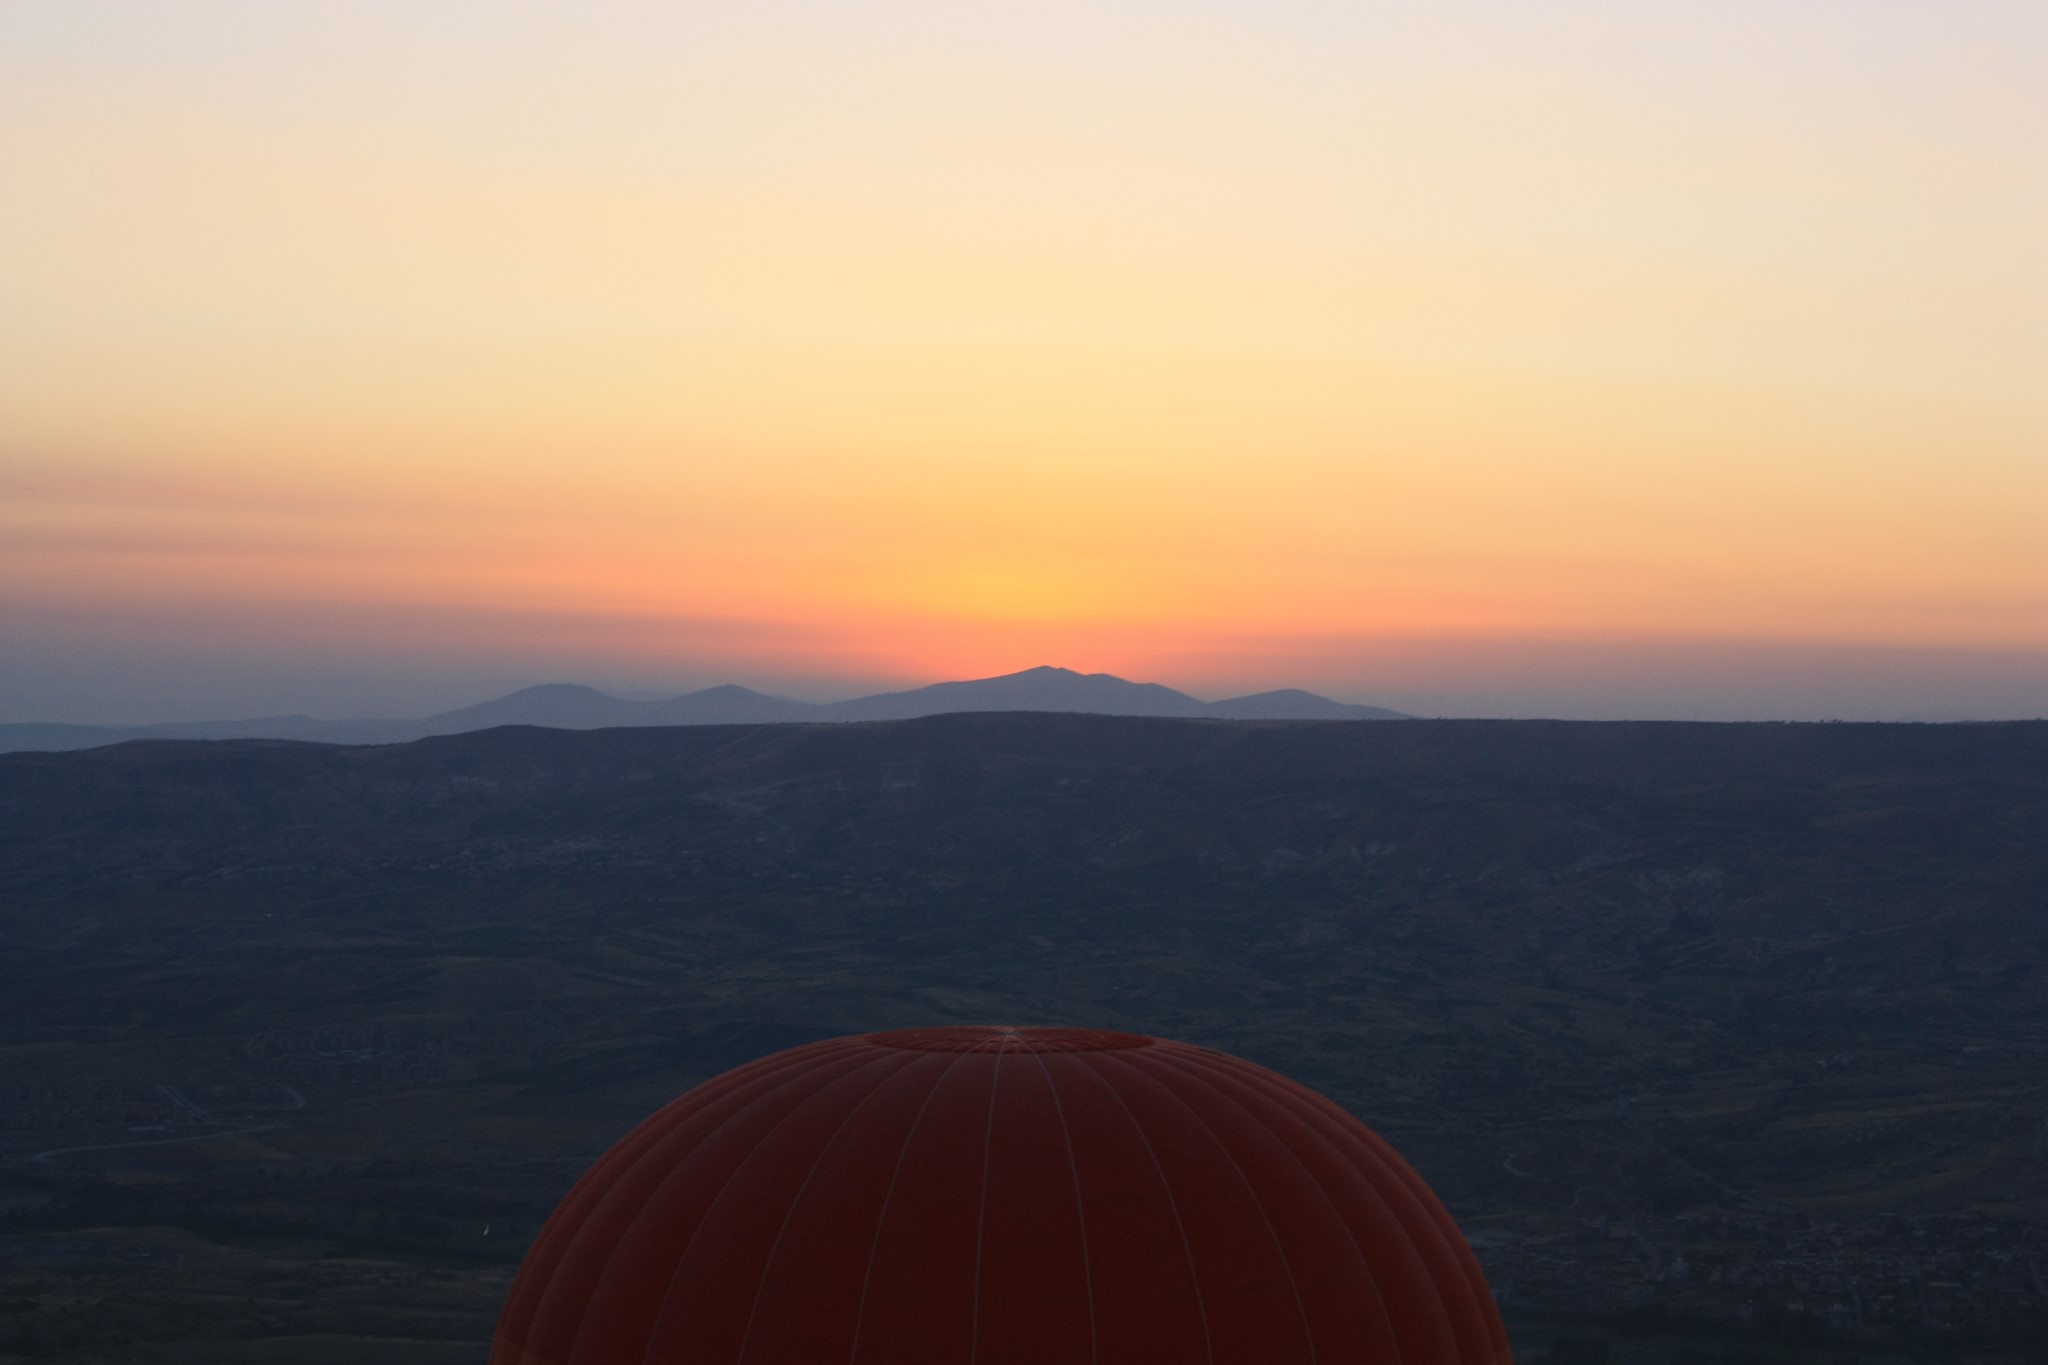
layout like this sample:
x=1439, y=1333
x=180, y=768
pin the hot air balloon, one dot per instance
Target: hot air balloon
x=1000, y=1196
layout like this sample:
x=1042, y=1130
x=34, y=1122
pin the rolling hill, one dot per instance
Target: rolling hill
x=572, y=706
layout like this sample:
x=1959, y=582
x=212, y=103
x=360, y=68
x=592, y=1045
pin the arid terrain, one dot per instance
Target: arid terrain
x=1723, y=1042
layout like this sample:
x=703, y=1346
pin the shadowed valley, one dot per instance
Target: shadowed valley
x=1720, y=1039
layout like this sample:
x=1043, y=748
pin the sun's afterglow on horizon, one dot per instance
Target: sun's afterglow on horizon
x=1234, y=345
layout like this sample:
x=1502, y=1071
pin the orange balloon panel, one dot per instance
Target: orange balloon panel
x=1003, y=1196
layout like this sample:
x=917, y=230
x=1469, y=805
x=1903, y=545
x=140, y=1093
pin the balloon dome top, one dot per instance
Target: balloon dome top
x=1000, y=1196
x=1001, y=1038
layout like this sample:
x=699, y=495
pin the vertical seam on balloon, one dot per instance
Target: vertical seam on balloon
x=860, y=1312
x=768, y=1264
x=988, y=1142
x=783, y=1079
x=1379, y=1297
x=644, y=1138
x=1436, y=1221
x=1080, y=1207
x=1172, y=1204
x=1433, y=1225
x=1300, y=1307
x=724, y=1186
x=1405, y=1198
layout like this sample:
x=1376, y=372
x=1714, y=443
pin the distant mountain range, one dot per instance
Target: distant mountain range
x=572, y=706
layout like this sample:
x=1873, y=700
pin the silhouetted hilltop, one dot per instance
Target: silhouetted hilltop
x=1291, y=703
x=728, y=704
x=564, y=706
x=1034, y=689
x=573, y=706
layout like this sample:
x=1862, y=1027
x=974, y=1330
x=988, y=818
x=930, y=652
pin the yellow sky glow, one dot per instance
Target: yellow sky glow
x=926, y=343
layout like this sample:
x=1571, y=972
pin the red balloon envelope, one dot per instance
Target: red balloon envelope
x=998, y=1196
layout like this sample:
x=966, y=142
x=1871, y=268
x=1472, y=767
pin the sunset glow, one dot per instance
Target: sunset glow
x=1404, y=352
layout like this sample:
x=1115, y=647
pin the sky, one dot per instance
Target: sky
x=1479, y=357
